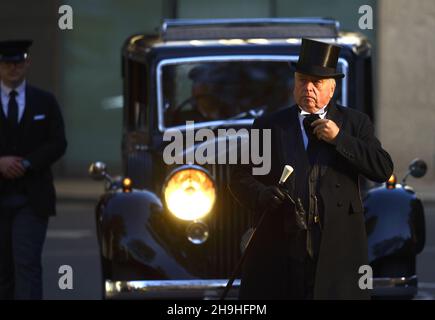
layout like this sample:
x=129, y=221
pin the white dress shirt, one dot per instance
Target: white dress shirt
x=20, y=97
x=322, y=115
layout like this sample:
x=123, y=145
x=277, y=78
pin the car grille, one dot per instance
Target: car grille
x=230, y=221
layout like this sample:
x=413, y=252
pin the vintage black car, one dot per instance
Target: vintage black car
x=171, y=229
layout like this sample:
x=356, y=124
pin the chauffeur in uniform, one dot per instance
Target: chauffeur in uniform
x=32, y=138
x=328, y=146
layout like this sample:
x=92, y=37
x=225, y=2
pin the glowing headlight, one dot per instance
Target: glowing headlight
x=189, y=194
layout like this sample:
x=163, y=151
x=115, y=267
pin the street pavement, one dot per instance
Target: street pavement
x=71, y=241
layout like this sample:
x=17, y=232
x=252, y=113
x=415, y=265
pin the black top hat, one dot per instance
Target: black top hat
x=14, y=50
x=318, y=59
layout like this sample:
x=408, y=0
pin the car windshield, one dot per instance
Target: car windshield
x=223, y=90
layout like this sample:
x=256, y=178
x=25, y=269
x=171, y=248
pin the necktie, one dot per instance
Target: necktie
x=13, y=109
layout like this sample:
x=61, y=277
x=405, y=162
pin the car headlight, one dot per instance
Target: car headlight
x=189, y=193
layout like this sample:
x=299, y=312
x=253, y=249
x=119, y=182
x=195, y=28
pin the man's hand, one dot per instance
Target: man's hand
x=325, y=129
x=11, y=167
x=271, y=197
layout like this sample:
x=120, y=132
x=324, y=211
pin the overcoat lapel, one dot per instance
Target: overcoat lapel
x=26, y=120
x=291, y=146
x=3, y=123
x=327, y=154
x=2, y=113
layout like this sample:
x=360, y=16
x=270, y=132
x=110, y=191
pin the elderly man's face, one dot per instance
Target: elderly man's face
x=312, y=93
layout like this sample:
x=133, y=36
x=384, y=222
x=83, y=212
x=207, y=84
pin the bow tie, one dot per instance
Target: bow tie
x=308, y=120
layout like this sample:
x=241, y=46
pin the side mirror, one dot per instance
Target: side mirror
x=97, y=170
x=417, y=168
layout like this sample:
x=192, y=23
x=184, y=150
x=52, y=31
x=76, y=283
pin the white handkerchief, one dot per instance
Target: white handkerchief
x=39, y=117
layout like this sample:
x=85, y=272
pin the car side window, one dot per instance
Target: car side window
x=136, y=105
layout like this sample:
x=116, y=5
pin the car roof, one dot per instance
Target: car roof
x=249, y=32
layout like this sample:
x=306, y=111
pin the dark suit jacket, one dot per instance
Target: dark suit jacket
x=41, y=141
x=279, y=244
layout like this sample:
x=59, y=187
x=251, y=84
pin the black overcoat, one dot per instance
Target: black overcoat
x=279, y=244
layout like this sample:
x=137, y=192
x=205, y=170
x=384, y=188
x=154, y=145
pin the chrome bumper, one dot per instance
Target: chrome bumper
x=212, y=289
x=175, y=289
x=403, y=286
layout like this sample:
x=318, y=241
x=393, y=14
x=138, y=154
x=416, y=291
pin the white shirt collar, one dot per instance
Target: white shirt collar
x=319, y=112
x=6, y=90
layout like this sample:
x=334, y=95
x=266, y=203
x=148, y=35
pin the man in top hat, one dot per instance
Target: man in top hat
x=328, y=146
x=32, y=138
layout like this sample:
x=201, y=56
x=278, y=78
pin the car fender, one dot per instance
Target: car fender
x=393, y=222
x=127, y=222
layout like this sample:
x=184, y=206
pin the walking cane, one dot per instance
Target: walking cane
x=286, y=172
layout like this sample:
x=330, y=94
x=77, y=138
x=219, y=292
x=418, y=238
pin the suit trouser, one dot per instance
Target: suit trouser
x=302, y=276
x=22, y=236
